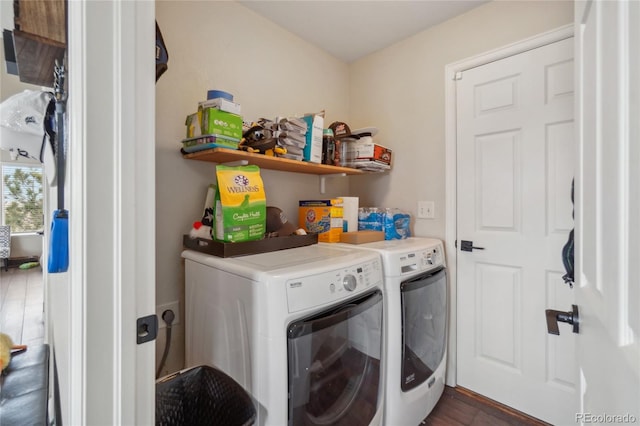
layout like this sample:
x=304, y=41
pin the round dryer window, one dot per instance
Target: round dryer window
x=334, y=365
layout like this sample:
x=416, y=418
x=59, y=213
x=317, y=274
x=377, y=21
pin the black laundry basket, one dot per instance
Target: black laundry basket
x=202, y=395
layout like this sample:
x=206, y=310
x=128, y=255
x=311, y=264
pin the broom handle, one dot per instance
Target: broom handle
x=60, y=112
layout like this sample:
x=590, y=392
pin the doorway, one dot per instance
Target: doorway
x=23, y=184
x=512, y=169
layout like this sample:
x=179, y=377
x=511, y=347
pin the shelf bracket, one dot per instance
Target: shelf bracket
x=323, y=178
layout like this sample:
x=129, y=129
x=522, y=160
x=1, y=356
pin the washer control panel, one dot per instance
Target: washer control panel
x=331, y=286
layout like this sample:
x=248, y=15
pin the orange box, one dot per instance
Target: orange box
x=322, y=217
x=366, y=150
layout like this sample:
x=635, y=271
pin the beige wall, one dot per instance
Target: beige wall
x=401, y=91
x=223, y=45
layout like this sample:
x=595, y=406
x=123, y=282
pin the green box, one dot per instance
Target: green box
x=217, y=122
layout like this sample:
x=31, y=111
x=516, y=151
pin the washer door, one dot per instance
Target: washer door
x=334, y=364
x=424, y=326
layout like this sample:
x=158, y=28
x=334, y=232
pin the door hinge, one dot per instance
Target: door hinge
x=147, y=328
x=457, y=75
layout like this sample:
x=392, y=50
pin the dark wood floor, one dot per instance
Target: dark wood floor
x=22, y=318
x=459, y=406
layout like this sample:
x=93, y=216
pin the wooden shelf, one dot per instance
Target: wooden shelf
x=39, y=39
x=45, y=18
x=225, y=155
x=36, y=57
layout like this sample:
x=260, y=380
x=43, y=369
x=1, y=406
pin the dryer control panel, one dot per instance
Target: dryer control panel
x=419, y=260
x=328, y=287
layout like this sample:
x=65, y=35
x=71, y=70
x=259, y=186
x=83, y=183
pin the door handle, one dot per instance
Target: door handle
x=570, y=317
x=468, y=246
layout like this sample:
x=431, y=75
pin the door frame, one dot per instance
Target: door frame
x=104, y=375
x=451, y=166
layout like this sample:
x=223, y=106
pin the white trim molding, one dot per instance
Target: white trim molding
x=105, y=377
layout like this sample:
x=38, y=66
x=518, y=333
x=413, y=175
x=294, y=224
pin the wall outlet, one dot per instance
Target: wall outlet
x=426, y=210
x=174, y=306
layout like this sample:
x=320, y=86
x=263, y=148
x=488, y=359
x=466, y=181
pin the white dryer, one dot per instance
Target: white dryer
x=299, y=329
x=415, y=321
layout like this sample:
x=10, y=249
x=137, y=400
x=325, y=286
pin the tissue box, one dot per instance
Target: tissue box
x=215, y=121
x=322, y=217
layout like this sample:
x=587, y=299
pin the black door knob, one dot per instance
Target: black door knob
x=570, y=317
x=468, y=246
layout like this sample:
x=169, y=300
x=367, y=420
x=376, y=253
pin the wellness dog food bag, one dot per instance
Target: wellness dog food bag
x=240, y=204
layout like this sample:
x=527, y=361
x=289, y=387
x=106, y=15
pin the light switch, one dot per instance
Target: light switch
x=426, y=210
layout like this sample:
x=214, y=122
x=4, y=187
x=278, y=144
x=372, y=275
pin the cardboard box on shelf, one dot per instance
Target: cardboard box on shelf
x=323, y=217
x=222, y=104
x=361, y=237
x=365, y=149
x=215, y=121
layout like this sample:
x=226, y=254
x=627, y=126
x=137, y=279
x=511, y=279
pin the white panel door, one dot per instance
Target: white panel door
x=515, y=162
x=608, y=211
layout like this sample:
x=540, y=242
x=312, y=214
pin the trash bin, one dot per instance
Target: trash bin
x=202, y=395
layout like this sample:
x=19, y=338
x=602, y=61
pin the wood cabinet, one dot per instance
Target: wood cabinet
x=39, y=38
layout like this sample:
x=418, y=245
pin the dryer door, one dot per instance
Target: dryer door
x=424, y=326
x=334, y=364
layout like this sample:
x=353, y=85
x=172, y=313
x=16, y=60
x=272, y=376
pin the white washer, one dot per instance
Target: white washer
x=299, y=329
x=415, y=320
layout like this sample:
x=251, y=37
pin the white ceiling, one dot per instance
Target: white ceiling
x=347, y=29
x=351, y=29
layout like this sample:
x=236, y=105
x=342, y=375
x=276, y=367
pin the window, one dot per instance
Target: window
x=22, y=197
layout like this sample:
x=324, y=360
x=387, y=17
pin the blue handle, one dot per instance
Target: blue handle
x=59, y=244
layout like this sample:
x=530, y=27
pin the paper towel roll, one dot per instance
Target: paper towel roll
x=350, y=213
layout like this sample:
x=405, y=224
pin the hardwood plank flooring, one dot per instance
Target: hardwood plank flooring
x=22, y=305
x=462, y=407
x=22, y=318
